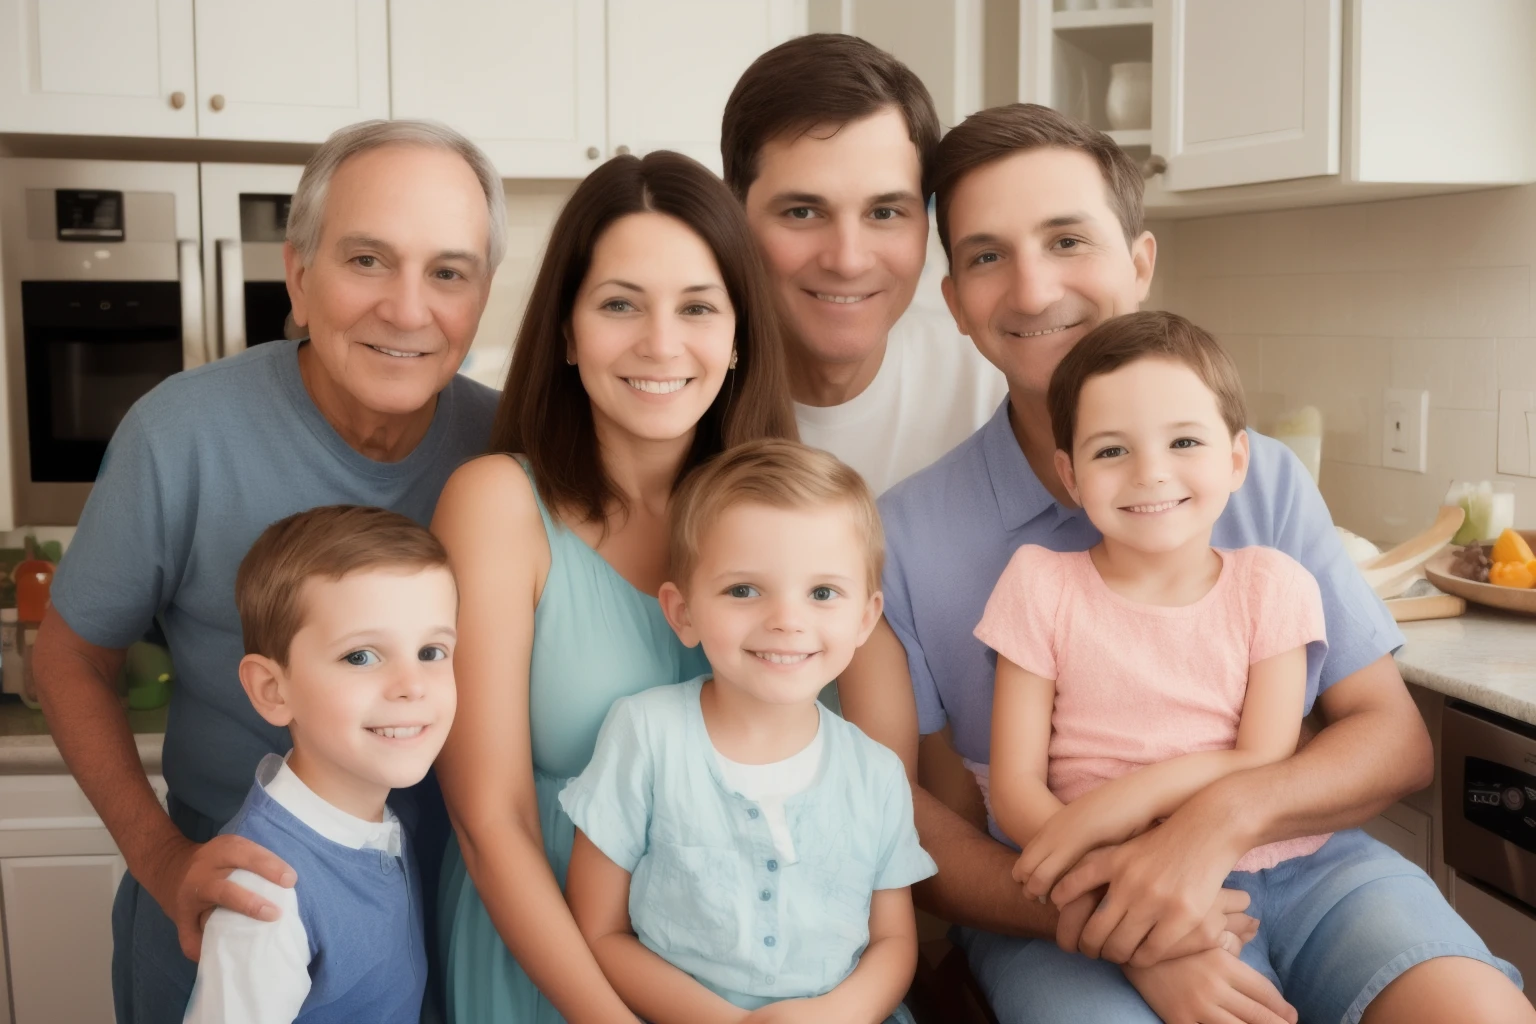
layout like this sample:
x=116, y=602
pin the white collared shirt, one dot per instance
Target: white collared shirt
x=257, y=972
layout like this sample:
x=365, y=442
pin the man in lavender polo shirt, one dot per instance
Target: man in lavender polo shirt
x=1041, y=218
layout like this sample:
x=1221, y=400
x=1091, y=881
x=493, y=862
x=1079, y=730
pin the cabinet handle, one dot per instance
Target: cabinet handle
x=621, y=150
x=1153, y=165
x=593, y=153
x=178, y=100
x=217, y=102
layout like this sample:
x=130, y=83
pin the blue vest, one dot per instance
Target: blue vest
x=361, y=911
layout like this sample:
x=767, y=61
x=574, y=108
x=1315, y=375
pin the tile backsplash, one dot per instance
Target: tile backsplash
x=1329, y=306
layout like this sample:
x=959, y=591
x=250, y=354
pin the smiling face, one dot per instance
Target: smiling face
x=394, y=293
x=652, y=329
x=779, y=598
x=839, y=217
x=1038, y=259
x=368, y=693
x=1153, y=462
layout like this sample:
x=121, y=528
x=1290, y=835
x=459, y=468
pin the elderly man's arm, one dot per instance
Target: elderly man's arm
x=77, y=691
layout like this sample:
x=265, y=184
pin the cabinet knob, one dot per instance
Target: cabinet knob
x=217, y=102
x=593, y=153
x=178, y=100
x=621, y=150
x=1153, y=165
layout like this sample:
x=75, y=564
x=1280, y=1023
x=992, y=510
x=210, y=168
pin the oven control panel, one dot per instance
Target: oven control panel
x=1501, y=799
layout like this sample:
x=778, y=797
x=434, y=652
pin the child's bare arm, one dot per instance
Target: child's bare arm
x=1021, y=740
x=1267, y=732
x=597, y=890
x=879, y=980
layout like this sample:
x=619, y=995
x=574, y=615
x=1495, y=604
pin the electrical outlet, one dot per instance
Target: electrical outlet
x=1404, y=429
x=1517, y=433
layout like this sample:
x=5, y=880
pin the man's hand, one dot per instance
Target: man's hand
x=194, y=879
x=1225, y=927
x=1213, y=987
x=1163, y=885
x=1083, y=825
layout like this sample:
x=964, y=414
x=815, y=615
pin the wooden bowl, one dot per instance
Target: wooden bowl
x=1512, y=599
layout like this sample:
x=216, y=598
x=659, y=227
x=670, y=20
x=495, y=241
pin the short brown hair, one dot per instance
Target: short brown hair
x=330, y=542
x=545, y=412
x=999, y=132
x=1125, y=339
x=779, y=474
x=819, y=79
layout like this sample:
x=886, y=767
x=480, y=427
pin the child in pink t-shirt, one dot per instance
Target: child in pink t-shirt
x=1132, y=675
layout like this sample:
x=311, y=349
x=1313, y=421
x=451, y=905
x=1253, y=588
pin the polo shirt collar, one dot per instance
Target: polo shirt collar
x=1021, y=497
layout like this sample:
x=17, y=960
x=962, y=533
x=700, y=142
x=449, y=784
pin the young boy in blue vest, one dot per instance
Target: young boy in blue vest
x=348, y=617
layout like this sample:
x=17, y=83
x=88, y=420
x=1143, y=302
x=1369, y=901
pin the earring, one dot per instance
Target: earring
x=569, y=361
x=732, y=366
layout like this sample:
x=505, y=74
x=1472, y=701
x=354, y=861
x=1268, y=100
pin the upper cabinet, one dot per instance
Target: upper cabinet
x=552, y=87
x=290, y=70
x=97, y=67
x=1252, y=104
x=281, y=70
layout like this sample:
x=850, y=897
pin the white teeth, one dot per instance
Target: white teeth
x=1036, y=334
x=397, y=732
x=1162, y=506
x=656, y=387
x=841, y=299
x=781, y=659
x=396, y=353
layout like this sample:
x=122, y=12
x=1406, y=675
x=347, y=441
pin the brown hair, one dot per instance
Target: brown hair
x=330, y=542
x=545, y=413
x=819, y=79
x=998, y=132
x=1125, y=339
x=779, y=474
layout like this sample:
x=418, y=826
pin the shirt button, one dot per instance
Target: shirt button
x=765, y=895
x=773, y=865
x=770, y=941
x=770, y=979
x=752, y=812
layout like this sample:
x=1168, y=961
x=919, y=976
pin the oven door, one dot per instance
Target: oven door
x=245, y=217
x=92, y=349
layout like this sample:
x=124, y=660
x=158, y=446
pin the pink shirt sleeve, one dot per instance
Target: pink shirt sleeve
x=1020, y=619
x=1286, y=606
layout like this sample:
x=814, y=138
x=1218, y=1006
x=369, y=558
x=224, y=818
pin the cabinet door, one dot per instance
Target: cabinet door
x=672, y=65
x=1246, y=90
x=290, y=70
x=58, y=929
x=523, y=78
x=97, y=67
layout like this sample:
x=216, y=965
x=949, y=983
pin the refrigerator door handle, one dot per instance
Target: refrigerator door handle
x=194, y=344
x=231, y=297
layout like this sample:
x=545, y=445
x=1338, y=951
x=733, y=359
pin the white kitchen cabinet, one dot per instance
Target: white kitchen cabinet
x=1406, y=830
x=1264, y=104
x=672, y=66
x=550, y=88
x=290, y=70
x=97, y=67
x=59, y=872
x=523, y=78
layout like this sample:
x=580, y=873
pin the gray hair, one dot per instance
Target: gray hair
x=307, y=212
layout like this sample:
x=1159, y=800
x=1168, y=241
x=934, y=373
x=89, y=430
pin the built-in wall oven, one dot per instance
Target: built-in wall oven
x=1488, y=797
x=118, y=274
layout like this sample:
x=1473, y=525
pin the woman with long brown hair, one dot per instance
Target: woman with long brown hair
x=650, y=344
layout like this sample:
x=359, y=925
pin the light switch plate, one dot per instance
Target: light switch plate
x=1517, y=410
x=1404, y=429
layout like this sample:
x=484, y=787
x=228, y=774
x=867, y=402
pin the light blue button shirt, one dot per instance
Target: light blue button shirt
x=950, y=530
x=708, y=892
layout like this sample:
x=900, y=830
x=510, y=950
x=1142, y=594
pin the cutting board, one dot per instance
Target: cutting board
x=1430, y=606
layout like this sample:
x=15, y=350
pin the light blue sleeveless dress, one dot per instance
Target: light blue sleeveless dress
x=595, y=639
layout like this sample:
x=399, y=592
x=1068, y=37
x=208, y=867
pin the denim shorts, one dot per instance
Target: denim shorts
x=1335, y=928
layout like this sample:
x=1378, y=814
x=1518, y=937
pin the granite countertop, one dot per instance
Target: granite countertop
x=27, y=748
x=1485, y=657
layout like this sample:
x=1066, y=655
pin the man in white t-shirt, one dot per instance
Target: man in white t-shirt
x=825, y=140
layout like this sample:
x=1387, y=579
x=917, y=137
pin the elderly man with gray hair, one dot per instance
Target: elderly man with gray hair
x=394, y=235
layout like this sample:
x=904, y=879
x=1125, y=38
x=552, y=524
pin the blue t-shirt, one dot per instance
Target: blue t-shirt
x=197, y=469
x=951, y=529
x=707, y=891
